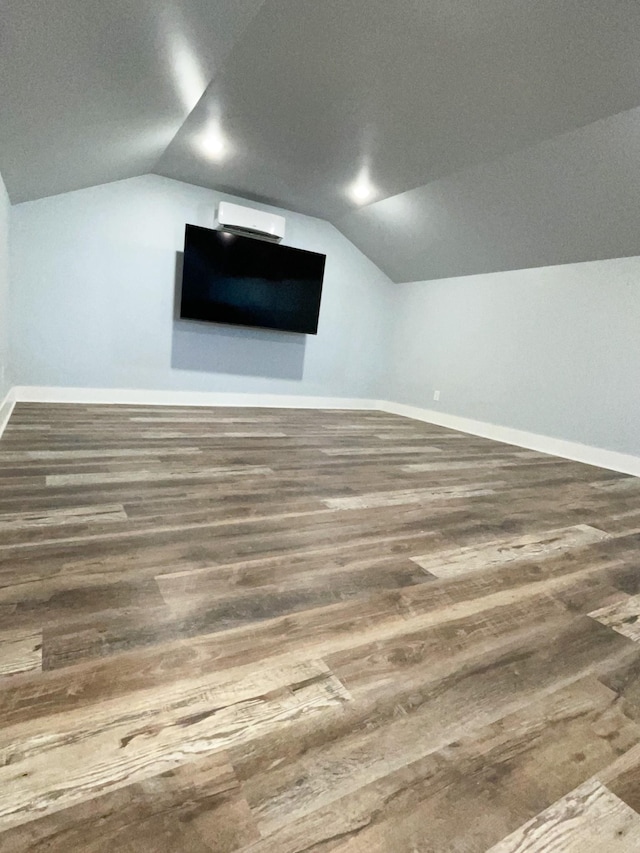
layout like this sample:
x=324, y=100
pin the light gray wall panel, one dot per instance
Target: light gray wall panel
x=555, y=351
x=93, y=301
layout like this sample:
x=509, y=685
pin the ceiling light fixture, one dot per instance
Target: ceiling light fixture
x=362, y=190
x=213, y=144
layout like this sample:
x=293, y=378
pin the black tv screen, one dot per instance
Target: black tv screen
x=248, y=282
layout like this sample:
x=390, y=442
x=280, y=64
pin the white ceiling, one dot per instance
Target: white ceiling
x=449, y=104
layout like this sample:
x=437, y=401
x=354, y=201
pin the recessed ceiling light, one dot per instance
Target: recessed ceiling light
x=361, y=190
x=213, y=144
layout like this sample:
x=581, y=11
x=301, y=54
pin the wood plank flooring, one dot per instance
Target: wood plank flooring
x=298, y=631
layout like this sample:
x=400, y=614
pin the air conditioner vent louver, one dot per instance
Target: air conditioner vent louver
x=248, y=222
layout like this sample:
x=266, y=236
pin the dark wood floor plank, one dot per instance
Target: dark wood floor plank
x=278, y=630
x=135, y=737
x=475, y=790
x=196, y=807
x=434, y=713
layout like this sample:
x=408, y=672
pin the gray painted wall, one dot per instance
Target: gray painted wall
x=553, y=350
x=4, y=293
x=93, y=297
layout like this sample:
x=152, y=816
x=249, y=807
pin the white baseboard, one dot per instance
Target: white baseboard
x=6, y=407
x=612, y=460
x=142, y=397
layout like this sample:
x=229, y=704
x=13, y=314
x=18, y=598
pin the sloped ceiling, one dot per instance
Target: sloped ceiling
x=496, y=134
x=93, y=91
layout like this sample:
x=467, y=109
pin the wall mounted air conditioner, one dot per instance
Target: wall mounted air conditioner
x=249, y=223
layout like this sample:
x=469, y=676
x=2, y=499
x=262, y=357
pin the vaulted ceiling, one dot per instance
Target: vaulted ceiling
x=478, y=135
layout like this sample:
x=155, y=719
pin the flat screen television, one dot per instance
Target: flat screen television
x=248, y=282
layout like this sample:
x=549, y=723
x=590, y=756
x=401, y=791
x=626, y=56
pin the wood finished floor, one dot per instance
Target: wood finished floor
x=280, y=631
